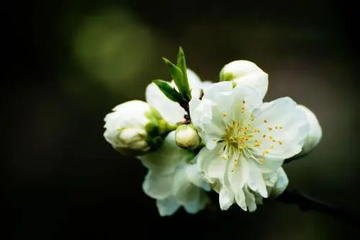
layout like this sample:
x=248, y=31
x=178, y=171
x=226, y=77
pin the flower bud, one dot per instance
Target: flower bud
x=314, y=136
x=134, y=128
x=187, y=137
x=246, y=73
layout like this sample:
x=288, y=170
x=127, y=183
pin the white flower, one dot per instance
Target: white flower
x=134, y=128
x=246, y=73
x=244, y=138
x=314, y=136
x=172, y=111
x=173, y=180
x=187, y=137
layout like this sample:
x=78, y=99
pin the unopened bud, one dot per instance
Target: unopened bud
x=134, y=128
x=187, y=137
x=245, y=73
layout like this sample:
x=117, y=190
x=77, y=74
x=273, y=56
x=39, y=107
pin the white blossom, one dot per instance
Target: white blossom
x=245, y=139
x=173, y=179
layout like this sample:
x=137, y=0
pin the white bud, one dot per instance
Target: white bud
x=314, y=136
x=133, y=138
x=134, y=128
x=187, y=137
x=246, y=73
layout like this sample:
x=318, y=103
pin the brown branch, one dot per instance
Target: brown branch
x=306, y=203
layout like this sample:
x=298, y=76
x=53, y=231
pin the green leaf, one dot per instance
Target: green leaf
x=169, y=91
x=181, y=63
x=175, y=73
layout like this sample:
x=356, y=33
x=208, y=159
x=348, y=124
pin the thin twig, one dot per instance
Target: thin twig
x=185, y=106
x=306, y=203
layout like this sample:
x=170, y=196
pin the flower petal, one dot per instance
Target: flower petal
x=282, y=128
x=158, y=186
x=183, y=190
x=270, y=179
x=241, y=199
x=281, y=183
x=128, y=114
x=195, y=178
x=314, y=135
x=216, y=88
x=237, y=173
x=226, y=198
x=167, y=157
x=269, y=163
x=259, y=81
x=198, y=204
x=250, y=200
x=169, y=110
x=210, y=164
x=167, y=206
x=245, y=100
x=210, y=129
x=194, y=79
x=256, y=181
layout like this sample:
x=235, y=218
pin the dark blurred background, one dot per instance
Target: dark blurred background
x=70, y=62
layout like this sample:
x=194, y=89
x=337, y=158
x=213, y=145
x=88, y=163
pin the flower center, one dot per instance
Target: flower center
x=242, y=139
x=237, y=136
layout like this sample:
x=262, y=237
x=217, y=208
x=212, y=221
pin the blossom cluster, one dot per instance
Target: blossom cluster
x=198, y=136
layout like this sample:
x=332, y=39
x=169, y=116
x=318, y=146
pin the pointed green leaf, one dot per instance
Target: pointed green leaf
x=177, y=75
x=168, y=90
x=181, y=63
